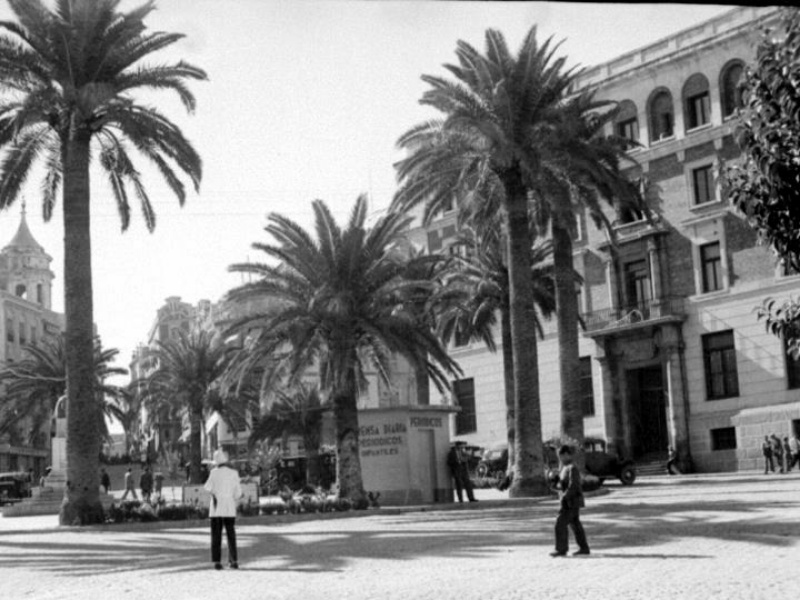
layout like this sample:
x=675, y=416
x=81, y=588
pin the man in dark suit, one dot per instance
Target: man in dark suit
x=571, y=499
x=460, y=470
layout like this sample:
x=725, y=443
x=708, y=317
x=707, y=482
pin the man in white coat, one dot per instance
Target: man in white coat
x=223, y=484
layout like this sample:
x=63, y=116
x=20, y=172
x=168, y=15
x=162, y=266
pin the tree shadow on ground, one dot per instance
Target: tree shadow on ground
x=616, y=531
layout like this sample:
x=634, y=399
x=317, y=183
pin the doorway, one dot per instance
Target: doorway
x=427, y=468
x=648, y=411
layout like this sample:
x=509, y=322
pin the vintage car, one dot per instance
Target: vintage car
x=599, y=461
x=14, y=486
x=494, y=462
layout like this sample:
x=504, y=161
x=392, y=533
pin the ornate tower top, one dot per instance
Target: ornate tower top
x=25, y=267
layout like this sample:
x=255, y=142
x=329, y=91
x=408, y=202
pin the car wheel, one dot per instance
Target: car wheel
x=602, y=480
x=482, y=470
x=628, y=475
x=285, y=478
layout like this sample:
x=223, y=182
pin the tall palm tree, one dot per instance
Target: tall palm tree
x=338, y=309
x=187, y=381
x=296, y=410
x=34, y=385
x=480, y=272
x=487, y=151
x=582, y=173
x=68, y=77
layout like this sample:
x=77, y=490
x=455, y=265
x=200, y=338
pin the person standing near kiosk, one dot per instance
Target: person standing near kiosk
x=460, y=471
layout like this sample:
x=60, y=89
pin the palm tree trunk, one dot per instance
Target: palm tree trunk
x=348, y=461
x=508, y=377
x=195, y=446
x=568, y=349
x=529, y=479
x=82, y=503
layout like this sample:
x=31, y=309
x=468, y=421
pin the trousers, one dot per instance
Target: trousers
x=463, y=483
x=571, y=517
x=217, y=524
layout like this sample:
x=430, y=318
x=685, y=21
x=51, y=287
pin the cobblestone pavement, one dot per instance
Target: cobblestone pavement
x=733, y=536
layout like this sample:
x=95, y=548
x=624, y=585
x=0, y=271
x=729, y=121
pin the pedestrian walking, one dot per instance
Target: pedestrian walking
x=146, y=483
x=225, y=489
x=460, y=471
x=130, y=485
x=794, y=446
x=571, y=501
x=777, y=451
x=787, y=454
x=766, y=450
x=105, y=480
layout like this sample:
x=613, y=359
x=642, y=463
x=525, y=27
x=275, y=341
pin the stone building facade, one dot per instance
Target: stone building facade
x=26, y=319
x=672, y=353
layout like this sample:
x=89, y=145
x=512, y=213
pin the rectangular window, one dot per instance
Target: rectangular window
x=22, y=337
x=629, y=130
x=39, y=294
x=460, y=338
x=703, y=185
x=792, y=369
x=587, y=389
x=723, y=438
x=711, y=266
x=699, y=110
x=719, y=356
x=434, y=241
x=9, y=330
x=637, y=283
x=466, y=420
x=33, y=335
x=163, y=333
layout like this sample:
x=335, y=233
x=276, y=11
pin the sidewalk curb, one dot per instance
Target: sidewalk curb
x=505, y=503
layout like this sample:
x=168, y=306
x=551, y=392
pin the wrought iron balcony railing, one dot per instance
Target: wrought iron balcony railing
x=611, y=319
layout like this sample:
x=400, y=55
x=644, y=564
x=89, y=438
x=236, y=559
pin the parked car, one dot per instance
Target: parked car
x=494, y=462
x=599, y=461
x=14, y=486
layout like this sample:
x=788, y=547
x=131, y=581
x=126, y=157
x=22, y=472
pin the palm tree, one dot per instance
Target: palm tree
x=34, y=385
x=338, y=309
x=69, y=75
x=480, y=273
x=582, y=171
x=297, y=410
x=127, y=410
x=187, y=380
x=487, y=151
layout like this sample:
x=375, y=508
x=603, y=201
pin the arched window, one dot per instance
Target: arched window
x=662, y=116
x=696, y=101
x=626, y=123
x=729, y=87
x=21, y=291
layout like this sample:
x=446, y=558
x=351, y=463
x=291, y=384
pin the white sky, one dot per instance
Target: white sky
x=305, y=100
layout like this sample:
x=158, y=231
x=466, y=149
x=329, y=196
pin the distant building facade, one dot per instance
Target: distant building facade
x=672, y=354
x=26, y=319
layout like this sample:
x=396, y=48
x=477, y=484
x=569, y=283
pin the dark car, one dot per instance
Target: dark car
x=599, y=461
x=14, y=486
x=494, y=461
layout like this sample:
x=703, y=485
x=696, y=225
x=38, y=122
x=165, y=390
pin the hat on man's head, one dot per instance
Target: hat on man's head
x=220, y=457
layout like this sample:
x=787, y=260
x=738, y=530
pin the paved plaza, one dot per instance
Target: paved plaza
x=714, y=536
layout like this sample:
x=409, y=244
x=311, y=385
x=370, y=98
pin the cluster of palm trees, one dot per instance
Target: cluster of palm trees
x=516, y=148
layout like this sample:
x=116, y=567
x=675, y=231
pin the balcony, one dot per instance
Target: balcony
x=643, y=314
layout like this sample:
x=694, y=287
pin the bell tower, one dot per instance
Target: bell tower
x=25, y=267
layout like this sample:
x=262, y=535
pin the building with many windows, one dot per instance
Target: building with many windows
x=672, y=353
x=26, y=319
